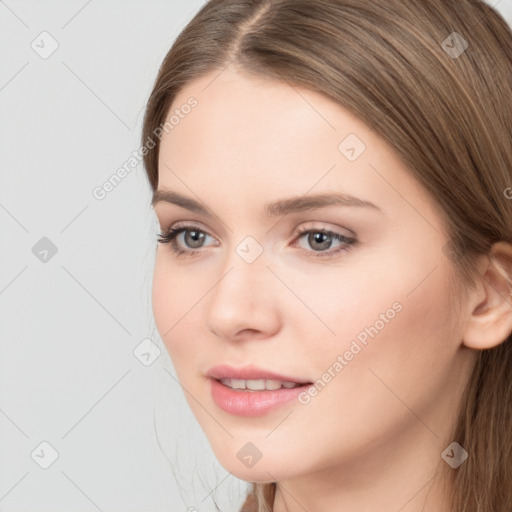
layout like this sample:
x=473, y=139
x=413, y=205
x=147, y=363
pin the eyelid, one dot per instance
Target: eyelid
x=313, y=225
x=189, y=226
x=304, y=228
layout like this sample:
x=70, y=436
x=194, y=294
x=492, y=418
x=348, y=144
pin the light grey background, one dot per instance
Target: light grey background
x=69, y=325
x=125, y=438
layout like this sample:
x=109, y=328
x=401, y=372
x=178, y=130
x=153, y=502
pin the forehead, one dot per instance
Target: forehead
x=252, y=126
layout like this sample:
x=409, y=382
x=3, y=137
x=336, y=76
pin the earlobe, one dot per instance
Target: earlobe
x=490, y=322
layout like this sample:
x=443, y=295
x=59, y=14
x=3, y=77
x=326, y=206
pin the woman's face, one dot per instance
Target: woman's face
x=363, y=312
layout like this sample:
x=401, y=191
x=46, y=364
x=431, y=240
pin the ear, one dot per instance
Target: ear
x=490, y=321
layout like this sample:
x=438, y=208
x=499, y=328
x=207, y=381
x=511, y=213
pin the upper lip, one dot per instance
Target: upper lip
x=249, y=372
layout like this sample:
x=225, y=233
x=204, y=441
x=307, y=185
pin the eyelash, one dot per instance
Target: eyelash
x=169, y=237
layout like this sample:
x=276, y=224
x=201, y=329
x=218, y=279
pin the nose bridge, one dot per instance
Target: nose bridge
x=240, y=296
x=244, y=271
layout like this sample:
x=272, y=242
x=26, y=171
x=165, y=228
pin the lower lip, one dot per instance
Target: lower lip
x=252, y=403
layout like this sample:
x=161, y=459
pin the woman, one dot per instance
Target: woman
x=332, y=180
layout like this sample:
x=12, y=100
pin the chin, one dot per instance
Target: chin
x=262, y=470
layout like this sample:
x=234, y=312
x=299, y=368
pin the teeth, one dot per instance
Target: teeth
x=258, y=384
x=237, y=384
x=272, y=384
x=255, y=385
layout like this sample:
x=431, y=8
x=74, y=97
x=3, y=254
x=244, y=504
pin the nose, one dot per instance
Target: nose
x=243, y=302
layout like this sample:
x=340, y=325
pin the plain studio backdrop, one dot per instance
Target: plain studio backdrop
x=91, y=416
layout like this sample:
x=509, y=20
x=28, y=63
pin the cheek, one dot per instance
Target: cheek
x=396, y=319
x=174, y=299
x=391, y=340
x=341, y=307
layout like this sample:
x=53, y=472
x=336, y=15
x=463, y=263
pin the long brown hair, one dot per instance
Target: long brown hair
x=433, y=78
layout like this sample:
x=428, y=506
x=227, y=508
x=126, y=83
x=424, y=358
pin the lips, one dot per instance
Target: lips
x=251, y=373
x=252, y=391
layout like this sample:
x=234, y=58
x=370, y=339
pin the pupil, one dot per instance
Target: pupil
x=194, y=237
x=317, y=238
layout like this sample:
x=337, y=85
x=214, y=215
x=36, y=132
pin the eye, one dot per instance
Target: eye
x=194, y=238
x=321, y=239
x=318, y=239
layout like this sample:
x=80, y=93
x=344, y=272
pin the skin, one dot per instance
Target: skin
x=372, y=438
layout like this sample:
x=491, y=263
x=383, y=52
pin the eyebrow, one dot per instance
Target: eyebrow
x=273, y=209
